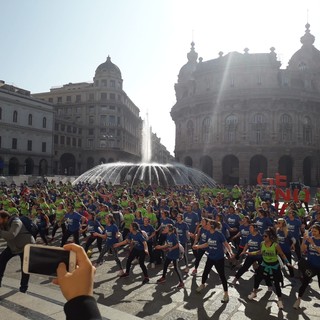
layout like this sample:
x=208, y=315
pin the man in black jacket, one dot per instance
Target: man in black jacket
x=17, y=236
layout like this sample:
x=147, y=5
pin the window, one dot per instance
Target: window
x=59, y=99
x=14, y=143
x=91, y=109
x=79, y=143
x=104, y=83
x=74, y=142
x=206, y=128
x=91, y=120
x=103, y=109
x=112, y=107
x=69, y=129
x=103, y=121
x=307, y=130
x=50, y=100
x=44, y=147
x=68, y=141
x=190, y=131
x=91, y=132
x=103, y=96
x=90, y=143
x=285, y=128
x=68, y=98
x=29, y=147
x=78, y=98
x=91, y=96
x=112, y=96
x=74, y=130
x=0, y=113
x=44, y=122
x=112, y=120
x=112, y=83
x=15, y=116
x=258, y=128
x=62, y=140
x=56, y=139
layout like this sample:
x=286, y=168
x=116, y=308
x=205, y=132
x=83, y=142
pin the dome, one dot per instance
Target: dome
x=308, y=56
x=108, y=68
x=187, y=70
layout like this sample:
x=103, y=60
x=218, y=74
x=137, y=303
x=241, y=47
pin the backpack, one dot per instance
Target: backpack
x=29, y=225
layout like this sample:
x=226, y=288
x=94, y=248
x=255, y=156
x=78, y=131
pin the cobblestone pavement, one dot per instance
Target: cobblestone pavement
x=165, y=301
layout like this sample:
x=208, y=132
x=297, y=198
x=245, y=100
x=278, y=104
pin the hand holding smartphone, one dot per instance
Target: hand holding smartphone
x=44, y=260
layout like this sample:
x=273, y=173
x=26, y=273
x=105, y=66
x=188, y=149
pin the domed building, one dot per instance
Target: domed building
x=240, y=114
x=96, y=122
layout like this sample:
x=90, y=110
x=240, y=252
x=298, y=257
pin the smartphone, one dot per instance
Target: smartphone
x=44, y=260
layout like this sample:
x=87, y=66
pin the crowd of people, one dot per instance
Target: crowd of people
x=240, y=227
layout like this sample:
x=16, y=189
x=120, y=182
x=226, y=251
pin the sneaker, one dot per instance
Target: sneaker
x=153, y=265
x=194, y=272
x=186, y=270
x=280, y=304
x=120, y=273
x=297, y=304
x=270, y=289
x=225, y=298
x=23, y=289
x=180, y=285
x=235, y=281
x=161, y=280
x=124, y=275
x=145, y=280
x=252, y=295
x=201, y=287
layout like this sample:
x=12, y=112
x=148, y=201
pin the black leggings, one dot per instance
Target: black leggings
x=175, y=265
x=199, y=255
x=91, y=239
x=306, y=278
x=219, y=264
x=114, y=251
x=276, y=277
x=247, y=264
x=140, y=254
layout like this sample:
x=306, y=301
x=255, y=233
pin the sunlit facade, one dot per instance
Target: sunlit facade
x=241, y=114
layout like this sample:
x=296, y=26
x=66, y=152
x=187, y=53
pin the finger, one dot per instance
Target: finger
x=55, y=281
x=82, y=258
x=61, y=270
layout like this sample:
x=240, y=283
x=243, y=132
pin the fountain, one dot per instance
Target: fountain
x=164, y=175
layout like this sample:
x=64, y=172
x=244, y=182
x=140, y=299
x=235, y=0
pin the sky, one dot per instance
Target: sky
x=48, y=43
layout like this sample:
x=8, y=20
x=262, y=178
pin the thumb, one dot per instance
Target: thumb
x=61, y=270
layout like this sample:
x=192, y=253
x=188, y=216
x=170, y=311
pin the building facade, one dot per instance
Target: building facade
x=240, y=115
x=95, y=123
x=26, y=144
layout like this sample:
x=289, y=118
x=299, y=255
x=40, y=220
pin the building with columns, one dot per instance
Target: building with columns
x=240, y=114
x=26, y=145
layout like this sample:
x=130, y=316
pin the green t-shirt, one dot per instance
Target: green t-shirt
x=128, y=219
x=269, y=254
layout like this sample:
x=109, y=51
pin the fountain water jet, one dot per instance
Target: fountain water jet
x=164, y=175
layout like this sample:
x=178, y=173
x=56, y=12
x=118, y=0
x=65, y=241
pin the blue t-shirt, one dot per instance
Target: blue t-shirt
x=203, y=236
x=192, y=220
x=284, y=241
x=149, y=230
x=233, y=220
x=215, y=245
x=41, y=222
x=313, y=255
x=254, y=242
x=263, y=224
x=294, y=227
x=244, y=232
x=137, y=240
x=73, y=221
x=171, y=241
x=94, y=226
x=111, y=232
x=139, y=221
x=182, y=229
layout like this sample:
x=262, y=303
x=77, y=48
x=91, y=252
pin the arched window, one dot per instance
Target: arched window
x=190, y=131
x=231, y=123
x=258, y=128
x=15, y=116
x=307, y=130
x=285, y=128
x=30, y=120
x=44, y=122
x=206, y=128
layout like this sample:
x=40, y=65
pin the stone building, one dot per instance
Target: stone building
x=95, y=122
x=26, y=146
x=241, y=114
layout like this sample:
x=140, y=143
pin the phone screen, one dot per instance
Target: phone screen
x=46, y=261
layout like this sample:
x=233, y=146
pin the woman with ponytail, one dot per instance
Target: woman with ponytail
x=139, y=249
x=216, y=242
x=269, y=268
x=171, y=246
